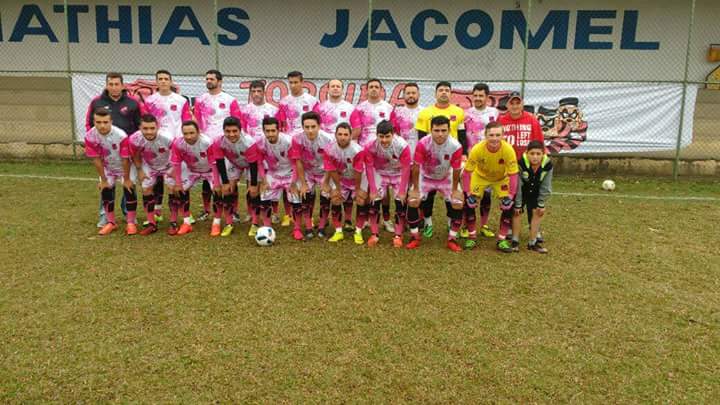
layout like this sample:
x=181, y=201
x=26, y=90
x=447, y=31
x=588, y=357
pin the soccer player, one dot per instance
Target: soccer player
x=345, y=163
x=536, y=171
x=492, y=163
x=150, y=153
x=476, y=118
x=404, y=117
x=437, y=168
x=275, y=166
x=258, y=109
x=369, y=113
x=335, y=109
x=240, y=150
x=519, y=126
x=307, y=156
x=195, y=150
x=170, y=108
x=107, y=146
x=294, y=105
x=391, y=157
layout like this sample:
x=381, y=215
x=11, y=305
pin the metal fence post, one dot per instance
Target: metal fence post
x=526, y=40
x=215, y=35
x=676, y=163
x=73, y=131
x=369, y=37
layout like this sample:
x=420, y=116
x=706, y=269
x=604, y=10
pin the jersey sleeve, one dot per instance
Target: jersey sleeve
x=393, y=121
x=253, y=153
x=281, y=116
x=329, y=162
x=186, y=115
x=420, y=153
x=361, y=160
x=423, y=121
x=472, y=159
x=295, y=151
x=175, y=153
x=356, y=118
x=456, y=159
x=125, y=148
x=235, y=110
x=216, y=151
x=510, y=161
x=92, y=149
x=461, y=119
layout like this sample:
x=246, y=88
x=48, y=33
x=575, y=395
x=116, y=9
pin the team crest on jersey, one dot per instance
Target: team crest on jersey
x=306, y=108
x=203, y=154
x=453, y=118
x=447, y=157
x=501, y=161
x=349, y=160
x=282, y=153
x=393, y=156
x=114, y=146
x=124, y=110
x=343, y=114
x=504, y=187
x=222, y=106
x=161, y=150
x=173, y=107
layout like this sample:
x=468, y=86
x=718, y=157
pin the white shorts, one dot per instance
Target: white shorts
x=189, y=179
x=428, y=185
x=274, y=186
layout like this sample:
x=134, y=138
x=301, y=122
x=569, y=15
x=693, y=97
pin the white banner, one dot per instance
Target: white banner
x=587, y=118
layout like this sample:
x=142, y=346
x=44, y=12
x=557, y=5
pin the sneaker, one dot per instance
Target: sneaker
x=192, y=219
x=309, y=234
x=102, y=221
x=539, y=238
x=204, y=216
x=107, y=229
x=227, y=230
x=337, y=237
x=321, y=233
x=515, y=246
x=453, y=245
x=537, y=247
x=486, y=232
x=274, y=219
x=173, y=229
x=150, y=229
x=373, y=241
x=297, y=234
x=236, y=218
x=358, y=238
x=504, y=246
x=397, y=242
x=389, y=226
x=413, y=244
x=215, y=230
x=428, y=231
x=253, y=230
x=464, y=233
x=348, y=227
x=131, y=229
x=158, y=219
x=470, y=244
x=286, y=220
x=184, y=229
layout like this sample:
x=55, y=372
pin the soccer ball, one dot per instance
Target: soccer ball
x=608, y=185
x=265, y=236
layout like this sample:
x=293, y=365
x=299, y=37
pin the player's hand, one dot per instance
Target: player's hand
x=457, y=195
x=539, y=212
x=253, y=190
x=518, y=211
x=401, y=197
x=128, y=184
x=506, y=203
x=226, y=189
x=304, y=189
x=471, y=201
x=103, y=184
x=176, y=189
x=325, y=188
x=373, y=196
x=141, y=176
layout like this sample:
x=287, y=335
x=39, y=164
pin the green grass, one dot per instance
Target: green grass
x=625, y=308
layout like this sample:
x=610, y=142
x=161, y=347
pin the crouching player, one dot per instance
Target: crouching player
x=437, y=168
x=492, y=163
x=390, y=156
x=196, y=150
x=535, y=187
x=241, y=152
x=150, y=151
x=107, y=146
x=274, y=166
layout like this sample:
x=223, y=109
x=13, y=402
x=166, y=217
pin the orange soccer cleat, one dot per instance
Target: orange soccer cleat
x=373, y=241
x=184, y=229
x=453, y=245
x=150, y=229
x=215, y=230
x=131, y=229
x=397, y=242
x=413, y=244
x=107, y=229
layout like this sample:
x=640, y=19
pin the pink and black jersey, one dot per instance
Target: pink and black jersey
x=154, y=154
x=276, y=156
x=403, y=120
x=170, y=111
x=252, y=118
x=240, y=154
x=211, y=111
x=390, y=161
x=291, y=109
x=346, y=161
x=198, y=157
x=366, y=116
x=332, y=114
x=111, y=148
x=437, y=161
x=475, y=122
x=310, y=152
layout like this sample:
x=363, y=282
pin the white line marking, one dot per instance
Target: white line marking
x=561, y=194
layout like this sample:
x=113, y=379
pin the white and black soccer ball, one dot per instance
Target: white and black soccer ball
x=608, y=185
x=265, y=236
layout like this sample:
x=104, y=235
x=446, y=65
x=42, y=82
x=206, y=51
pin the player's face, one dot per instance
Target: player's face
x=164, y=82
x=342, y=136
x=411, y=95
x=311, y=128
x=494, y=136
x=335, y=88
x=515, y=107
x=442, y=94
x=373, y=90
x=149, y=130
x=258, y=95
x=271, y=133
x=232, y=133
x=296, y=85
x=440, y=133
x=103, y=124
x=190, y=134
x=211, y=82
x=385, y=140
x=535, y=156
x=114, y=87
x=479, y=99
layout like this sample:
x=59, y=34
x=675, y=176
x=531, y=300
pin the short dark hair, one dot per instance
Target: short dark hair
x=231, y=122
x=148, y=118
x=443, y=84
x=101, y=112
x=536, y=145
x=493, y=124
x=191, y=123
x=312, y=115
x=163, y=72
x=374, y=80
x=295, y=73
x=481, y=87
x=440, y=120
x=343, y=125
x=411, y=84
x=215, y=72
x=114, y=75
x=270, y=121
x=385, y=127
x=257, y=83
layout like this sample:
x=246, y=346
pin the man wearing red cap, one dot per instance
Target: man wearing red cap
x=519, y=126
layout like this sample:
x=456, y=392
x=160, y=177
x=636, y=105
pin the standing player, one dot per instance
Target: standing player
x=391, y=158
x=492, y=163
x=294, y=105
x=437, y=168
x=150, y=151
x=195, y=150
x=276, y=166
x=107, y=146
x=256, y=111
x=369, y=113
x=533, y=192
x=307, y=157
x=335, y=109
x=476, y=118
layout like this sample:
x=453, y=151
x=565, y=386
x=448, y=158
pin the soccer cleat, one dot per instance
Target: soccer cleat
x=215, y=230
x=464, y=233
x=428, y=231
x=274, y=219
x=227, y=230
x=413, y=244
x=373, y=241
x=131, y=229
x=235, y=218
x=158, y=219
x=184, y=229
x=486, y=232
x=102, y=221
x=504, y=246
x=173, y=229
x=297, y=234
x=453, y=245
x=150, y=229
x=286, y=220
x=515, y=246
x=539, y=238
x=321, y=233
x=107, y=229
x=337, y=237
x=192, y=219
x=348, y=227
x=470, y=244
x=204, y=216
x=389, y=226
x=537, y=247
x=309, y=234
x=397, y=242
x=358, y=238
x=253, y=230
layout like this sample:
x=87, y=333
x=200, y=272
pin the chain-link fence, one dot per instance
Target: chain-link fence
x=615, y=85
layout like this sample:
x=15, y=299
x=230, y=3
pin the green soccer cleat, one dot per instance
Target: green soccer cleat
x=428, y=231
x=504, y=246
x=253, y=230
x=464, y=233
x=337, y=237
x=158, y=219
x=192, y=219
x=470, y=244
x=227, y=231
x=486, y=232
x=358, y=238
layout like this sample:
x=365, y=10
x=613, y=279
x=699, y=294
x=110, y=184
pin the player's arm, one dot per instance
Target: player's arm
x=405, y=172
x=176, y=161
x=545, y=189
x=100, y=169
x=356, y=124
x=470, y=165
x=186, y=114
x=422, y=125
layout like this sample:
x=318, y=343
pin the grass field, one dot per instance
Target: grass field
x=625, y=308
